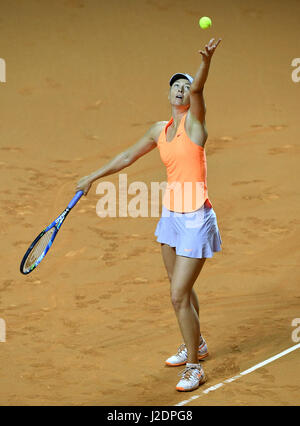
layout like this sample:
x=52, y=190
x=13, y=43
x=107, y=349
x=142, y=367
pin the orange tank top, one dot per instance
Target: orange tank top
x=186, y=189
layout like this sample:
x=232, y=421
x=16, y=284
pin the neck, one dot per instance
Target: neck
x=178, y=113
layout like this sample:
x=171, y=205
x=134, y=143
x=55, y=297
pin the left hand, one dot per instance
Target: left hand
x=209, y=49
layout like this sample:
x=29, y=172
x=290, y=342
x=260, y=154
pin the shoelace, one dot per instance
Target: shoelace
x=182, y=348
x=187, y=372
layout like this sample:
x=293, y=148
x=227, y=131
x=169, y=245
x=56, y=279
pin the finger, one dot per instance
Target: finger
x=218, y=42
x=211, y=41
x=215, y=46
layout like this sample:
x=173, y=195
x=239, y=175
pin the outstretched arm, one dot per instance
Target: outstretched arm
x=202, y=73
x=197, y=104
x=146, y=144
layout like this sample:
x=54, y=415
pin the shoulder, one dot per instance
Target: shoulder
x=157, y=128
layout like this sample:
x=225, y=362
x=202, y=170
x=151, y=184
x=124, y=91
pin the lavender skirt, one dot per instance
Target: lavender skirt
x=194, y=234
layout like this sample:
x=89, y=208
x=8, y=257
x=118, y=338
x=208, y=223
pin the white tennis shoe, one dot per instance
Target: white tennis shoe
x=180, y=358
x=191, y=378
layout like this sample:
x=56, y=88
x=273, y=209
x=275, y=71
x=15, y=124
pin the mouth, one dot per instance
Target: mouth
x=179, y=97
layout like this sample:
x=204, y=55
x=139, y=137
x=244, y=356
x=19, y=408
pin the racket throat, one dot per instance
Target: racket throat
x=61, y=218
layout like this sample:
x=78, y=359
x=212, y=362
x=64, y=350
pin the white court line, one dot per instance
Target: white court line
x=243, y=373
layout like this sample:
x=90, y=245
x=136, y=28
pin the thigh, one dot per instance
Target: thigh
x=169, y=257
x=185, y=273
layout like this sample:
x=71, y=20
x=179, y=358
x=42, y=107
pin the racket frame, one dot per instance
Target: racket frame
x=55, y=224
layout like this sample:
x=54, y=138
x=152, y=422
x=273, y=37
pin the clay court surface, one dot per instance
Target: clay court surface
x=94, y=323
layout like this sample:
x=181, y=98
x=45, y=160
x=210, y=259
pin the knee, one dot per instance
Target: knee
x=179, y=300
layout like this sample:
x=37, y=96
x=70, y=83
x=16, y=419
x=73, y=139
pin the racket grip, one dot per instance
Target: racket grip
x=76, y=198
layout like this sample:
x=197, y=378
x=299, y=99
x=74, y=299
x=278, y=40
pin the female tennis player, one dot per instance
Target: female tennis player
x=187, y=230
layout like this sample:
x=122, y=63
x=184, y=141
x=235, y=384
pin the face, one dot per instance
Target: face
x=179, y=93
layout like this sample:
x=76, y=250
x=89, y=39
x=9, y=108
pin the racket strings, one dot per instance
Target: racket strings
x=38, y=249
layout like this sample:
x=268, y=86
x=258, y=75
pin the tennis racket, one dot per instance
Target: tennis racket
x=40, y=246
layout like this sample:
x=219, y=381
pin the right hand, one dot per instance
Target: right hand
x=84, y=184
x=209, y=49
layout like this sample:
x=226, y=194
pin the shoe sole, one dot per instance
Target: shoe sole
x=183, y=363
x=202, y=381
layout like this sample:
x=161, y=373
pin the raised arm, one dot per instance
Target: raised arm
x=144, y=145
x=197, y=104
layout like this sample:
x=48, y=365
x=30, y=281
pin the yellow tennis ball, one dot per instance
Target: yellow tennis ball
x=205, y=22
